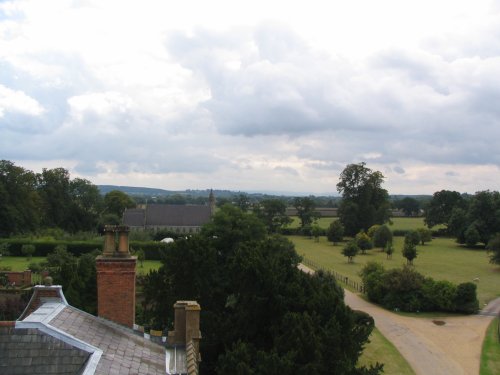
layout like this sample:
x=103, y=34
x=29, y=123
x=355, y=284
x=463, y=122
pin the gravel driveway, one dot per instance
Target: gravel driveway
x=440, y=346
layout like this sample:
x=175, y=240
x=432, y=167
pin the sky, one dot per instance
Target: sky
x=254, y=95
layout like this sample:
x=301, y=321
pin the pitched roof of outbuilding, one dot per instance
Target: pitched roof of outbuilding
x=168, y=215
x=62, y=339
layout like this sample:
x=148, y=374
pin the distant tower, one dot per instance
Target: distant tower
x=211, y=202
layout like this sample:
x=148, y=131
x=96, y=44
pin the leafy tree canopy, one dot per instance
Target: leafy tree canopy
x=260, y=314
x=364, y=201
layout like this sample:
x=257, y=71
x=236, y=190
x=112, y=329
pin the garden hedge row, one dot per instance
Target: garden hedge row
x=152, y=249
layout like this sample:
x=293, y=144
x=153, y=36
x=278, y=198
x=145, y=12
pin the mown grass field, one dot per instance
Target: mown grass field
x=398, y=223
x=22, y=263
x=490, y=356
x=442, y=259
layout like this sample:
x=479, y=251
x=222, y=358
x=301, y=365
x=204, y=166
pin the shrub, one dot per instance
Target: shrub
x=28, y=250
x=412, y=237
x=350, y=250
x=363, y=241
x=335, y=232
x=466, y=298
x=382, y=236
x=425, y=235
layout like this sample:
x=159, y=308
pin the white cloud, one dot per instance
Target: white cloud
x=17, y=101
x=266, y=95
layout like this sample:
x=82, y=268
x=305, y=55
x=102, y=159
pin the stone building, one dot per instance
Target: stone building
x=177, y=218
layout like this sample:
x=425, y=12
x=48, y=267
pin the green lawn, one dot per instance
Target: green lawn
x=441, y=259
x=398, y=223
x=490, y=356
x=382, y=350
x=21, y=263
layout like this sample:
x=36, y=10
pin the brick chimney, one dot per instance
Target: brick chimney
x=116, y=277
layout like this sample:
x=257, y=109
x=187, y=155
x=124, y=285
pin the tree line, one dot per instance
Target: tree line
x=30, y=202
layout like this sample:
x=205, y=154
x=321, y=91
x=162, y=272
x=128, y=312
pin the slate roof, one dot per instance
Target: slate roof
x=167, y=215
x=61, y=339
x=31, y=351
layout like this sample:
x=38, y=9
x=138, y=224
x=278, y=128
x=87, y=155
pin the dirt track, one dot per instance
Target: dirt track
x=431, y=349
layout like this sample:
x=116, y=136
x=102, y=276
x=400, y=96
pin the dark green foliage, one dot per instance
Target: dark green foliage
x=407, y=290
x=410, y=206
x=364, y=242
x=316, y=231
x=412, y=237
x=425, y=235
x=440, y=208
x=382, y=236
x=335, y=232
x=364, y=201
x=466, y=298
x=28, y=250
x=389, y=250
x=116, y=201
x=19, y=201
x=350, y=250
x=260, y=314
x=77, y=276
x=305, y=211
x=273, y=213
x=478, y=221
x=409, y=250
x=494, y=249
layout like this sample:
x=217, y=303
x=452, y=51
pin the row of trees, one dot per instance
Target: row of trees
x=472, y=219
x=31, y=201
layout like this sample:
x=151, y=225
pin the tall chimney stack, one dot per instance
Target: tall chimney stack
x=116, y=278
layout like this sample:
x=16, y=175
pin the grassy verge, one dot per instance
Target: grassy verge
x=441, y=259
x=398, y=223
x=490, y=355
x=19, y=263
x=382, y=350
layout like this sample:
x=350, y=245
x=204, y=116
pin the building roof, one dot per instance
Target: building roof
x=61, y=339
x=168, y=215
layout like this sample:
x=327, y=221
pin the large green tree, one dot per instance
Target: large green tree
x=439, y=209
x=306, y=212
x=260, y=314
x=19, y=200
x=273, y=213
x=116, y=201
x=364, y=201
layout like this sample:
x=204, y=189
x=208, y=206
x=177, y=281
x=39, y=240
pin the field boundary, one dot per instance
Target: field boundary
x=359, y=287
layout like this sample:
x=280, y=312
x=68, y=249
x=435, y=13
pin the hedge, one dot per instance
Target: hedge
x=152, y=249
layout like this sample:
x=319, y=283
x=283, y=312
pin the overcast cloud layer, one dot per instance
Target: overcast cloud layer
x=264, y=96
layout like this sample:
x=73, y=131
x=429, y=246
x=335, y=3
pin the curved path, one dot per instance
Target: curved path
x=431, y=349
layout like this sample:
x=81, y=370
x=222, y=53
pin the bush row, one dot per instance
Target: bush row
x=407, y=290
x=152, y=249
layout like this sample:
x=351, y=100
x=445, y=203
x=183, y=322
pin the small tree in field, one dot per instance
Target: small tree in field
x=425, y=235
x=382, y=236
x=316, y=232
x=389, y=250
x=350, y=250
x=28, y=250
x=141, y=256
x=412, y=236
x=409, y=251
x=364, y=242
x=335, y=232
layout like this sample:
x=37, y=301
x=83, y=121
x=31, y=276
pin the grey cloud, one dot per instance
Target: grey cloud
x=398, y=170
x=452, y=174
